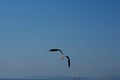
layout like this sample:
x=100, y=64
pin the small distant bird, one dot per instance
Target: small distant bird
x=62, y=55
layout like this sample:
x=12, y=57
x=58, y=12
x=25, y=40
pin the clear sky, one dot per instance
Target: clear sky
x=86, y=30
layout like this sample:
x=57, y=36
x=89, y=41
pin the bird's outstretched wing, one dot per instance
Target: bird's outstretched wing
x=68, y=59
x=54, y=50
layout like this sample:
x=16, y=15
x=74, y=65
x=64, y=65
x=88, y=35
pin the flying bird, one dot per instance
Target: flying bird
x=62, y=55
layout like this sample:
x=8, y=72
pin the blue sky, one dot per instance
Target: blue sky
x=86, y=30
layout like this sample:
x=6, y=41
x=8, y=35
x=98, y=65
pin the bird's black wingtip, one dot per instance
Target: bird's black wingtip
x=54, y=50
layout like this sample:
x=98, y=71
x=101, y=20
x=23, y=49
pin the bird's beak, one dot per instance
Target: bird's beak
x=62, y=56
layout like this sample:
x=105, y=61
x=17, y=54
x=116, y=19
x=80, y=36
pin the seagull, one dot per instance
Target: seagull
x=62, y=55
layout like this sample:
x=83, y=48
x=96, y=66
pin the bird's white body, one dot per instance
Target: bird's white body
x=62, y=56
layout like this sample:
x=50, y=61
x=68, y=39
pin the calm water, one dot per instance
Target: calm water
x=69, y=79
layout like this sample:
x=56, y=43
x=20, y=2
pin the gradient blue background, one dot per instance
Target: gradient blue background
x=86, y=30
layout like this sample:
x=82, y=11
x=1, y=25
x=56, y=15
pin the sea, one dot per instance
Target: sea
x=72, y=78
